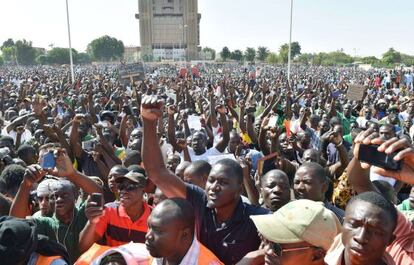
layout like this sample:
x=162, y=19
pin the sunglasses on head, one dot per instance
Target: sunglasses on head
x=128, y=186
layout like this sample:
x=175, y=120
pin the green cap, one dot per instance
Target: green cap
x=299, y=221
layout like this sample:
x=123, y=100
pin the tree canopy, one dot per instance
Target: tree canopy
x=106, y=48
x=225, y=53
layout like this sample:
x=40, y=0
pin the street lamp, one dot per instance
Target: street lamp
x=70, y=44
x=290, y=41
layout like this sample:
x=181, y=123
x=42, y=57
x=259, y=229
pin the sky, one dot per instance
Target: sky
x=362, y=28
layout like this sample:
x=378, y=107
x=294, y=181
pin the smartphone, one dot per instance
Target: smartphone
x=370, y=154
x=48, y=160
x=97, y=198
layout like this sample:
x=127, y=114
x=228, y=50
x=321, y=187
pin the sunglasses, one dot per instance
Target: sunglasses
x=278, y=250
x=128, y=186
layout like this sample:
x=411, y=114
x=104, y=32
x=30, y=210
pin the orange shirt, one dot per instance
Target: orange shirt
x=118, y=227
x=402, y=248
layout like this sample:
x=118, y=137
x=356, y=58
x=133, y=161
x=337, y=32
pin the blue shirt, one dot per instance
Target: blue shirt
x=230, y=241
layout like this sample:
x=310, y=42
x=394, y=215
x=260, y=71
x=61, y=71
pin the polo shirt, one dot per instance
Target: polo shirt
x=118, y=227
x=66, y=234
x=229, y=241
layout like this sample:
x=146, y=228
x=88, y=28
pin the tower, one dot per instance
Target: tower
x=169, y=29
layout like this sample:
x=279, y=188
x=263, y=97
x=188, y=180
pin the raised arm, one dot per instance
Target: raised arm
x=74, y=135
x=20, y=205
x=171, y=128
x=169, y=184
x=222, y=144
x=358, y=173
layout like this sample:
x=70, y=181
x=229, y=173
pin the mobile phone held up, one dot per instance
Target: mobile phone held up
x=48, y=160
x=370, y=155
x=97, y=198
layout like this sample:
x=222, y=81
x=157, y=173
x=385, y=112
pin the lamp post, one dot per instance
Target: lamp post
x=290, y=40
x=70, y=44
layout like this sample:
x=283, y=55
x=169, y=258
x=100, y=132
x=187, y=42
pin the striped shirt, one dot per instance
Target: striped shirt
x=118, y=227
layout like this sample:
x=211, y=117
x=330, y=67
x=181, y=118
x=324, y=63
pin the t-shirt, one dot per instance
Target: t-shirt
x=209, y=152
x=118, y=227
x=26, y=135
x=346, y=122
x=66, y=234
x=229, y=241
x=402, y=248
x=335, y=254
x=88, y=165
x=362, y=121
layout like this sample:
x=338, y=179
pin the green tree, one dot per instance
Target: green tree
x=237, y=55
x=83, y=58
x=262, y=53
x=272, y=58
x=42, y=59
x=105, y=48
x=8, y=54
x=250, y=54
x=211, y=51
x=284, y=51
x=305, y=58
x=225, y=53
x=407, y=59
x=370, y=60
x=1, y=60
x=25, y=53
x=61, y=55
x=8, y=43
x=391, y=57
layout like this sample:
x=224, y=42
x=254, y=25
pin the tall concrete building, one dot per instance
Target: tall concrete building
x=169, y=29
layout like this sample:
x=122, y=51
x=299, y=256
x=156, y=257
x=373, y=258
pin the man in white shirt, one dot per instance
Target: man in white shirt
x=362, y=121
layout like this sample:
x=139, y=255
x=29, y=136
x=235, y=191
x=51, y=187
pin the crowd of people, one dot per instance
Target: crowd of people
x=214, y=164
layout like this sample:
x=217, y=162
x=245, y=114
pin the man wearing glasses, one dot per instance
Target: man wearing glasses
x=122, y=224
x=300, y=232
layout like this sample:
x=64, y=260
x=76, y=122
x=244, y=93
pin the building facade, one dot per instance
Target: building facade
x=169, y=29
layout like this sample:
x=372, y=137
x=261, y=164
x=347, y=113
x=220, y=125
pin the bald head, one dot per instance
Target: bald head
x=175, y=210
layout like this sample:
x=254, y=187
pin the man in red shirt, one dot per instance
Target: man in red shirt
x=122, y=224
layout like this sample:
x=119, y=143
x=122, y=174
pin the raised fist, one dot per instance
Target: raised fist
x=151, y=108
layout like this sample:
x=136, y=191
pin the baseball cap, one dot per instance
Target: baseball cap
x=134, y=177
x=298, y=221
x=18, y=239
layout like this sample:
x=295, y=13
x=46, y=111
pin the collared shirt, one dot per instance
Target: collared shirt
x=336, y=252
x=229, y=241
x=190, y=258
x=66, y=234
x=118, y=227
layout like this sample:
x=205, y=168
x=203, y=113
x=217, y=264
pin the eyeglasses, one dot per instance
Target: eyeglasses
x=278, y=250
x=128, y=186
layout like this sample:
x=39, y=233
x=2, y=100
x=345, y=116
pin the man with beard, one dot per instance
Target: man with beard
x=222, y=219
x=122, y=224
x=275, y=189
x=311, y=183
x=368, y=229
x=68, y=221
x=170, y=238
